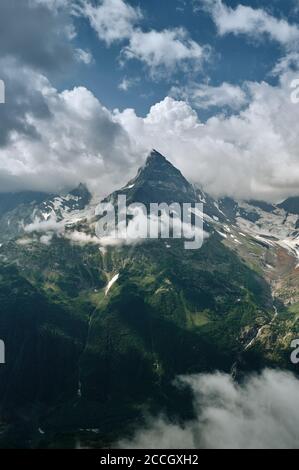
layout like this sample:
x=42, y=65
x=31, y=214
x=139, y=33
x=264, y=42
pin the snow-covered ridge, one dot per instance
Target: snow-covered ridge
x=273, y=228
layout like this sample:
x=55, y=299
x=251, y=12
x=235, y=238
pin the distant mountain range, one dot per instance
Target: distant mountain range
x=95, y=335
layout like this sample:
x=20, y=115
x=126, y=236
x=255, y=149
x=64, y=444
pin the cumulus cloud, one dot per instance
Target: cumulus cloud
x=51, y=140
x=161, y=51
x=203, y=96
x=113, y=20
x=256, y=23
x=251, y=154
x=165, y=50
x=262, y=413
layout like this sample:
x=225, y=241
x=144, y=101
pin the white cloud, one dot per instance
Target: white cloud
x=84, y=56
x=160, y=51
x=143, y=225
x=52, y=4
x=46, y=226
x=58, y=139
x=253, y=22
x=262, y=413
x=288, y=62
x=127, y=83
x=52, y=141
x=252, y=154
x=81, y=238
x=204, y=96
x=50, y=227
x=165, y=50
x=46, y=239
x=113, y=20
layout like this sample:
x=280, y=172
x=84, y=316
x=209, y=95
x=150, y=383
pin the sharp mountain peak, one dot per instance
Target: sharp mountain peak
x=158, y=180
x=155, y=156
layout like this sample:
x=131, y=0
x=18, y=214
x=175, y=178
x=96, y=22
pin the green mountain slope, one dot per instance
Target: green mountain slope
x=87, y=357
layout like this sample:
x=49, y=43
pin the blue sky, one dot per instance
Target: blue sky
x=234, y=59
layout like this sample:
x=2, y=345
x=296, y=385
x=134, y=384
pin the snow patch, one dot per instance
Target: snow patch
x=110, y=283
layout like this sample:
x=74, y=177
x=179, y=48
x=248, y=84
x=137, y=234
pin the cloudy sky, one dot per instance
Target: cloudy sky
x=93, y=85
